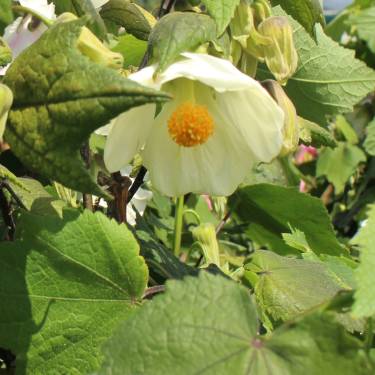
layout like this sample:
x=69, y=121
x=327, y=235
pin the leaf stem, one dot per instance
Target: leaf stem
x=370, y=335
x=22, y=9
x=178, y=225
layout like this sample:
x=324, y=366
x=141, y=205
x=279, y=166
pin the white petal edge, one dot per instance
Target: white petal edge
x=127, y=135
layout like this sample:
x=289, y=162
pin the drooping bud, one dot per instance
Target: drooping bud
x=291, y=128
x=5, y=53
x=6, y=100
x=205, y=235
x=90, y=46
x=281, y=55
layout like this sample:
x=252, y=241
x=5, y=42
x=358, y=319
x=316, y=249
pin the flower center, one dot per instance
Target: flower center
x=190, y=125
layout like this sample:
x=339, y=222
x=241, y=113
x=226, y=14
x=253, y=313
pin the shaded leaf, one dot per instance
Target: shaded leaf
x=179, y=32
x=132, y=49
x=132, y=17
x=306, y=12
x=209, y=325
x=312, y=134
x=221, y=11
x=60, y=97
x=6, y=14
x=364, y=23
x=270, y=209
x=64, y=286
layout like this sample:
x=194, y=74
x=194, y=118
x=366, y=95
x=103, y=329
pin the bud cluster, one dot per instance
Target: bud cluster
x=260, y=37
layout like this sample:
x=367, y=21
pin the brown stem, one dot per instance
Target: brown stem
x=6, y=211
x=86, y=155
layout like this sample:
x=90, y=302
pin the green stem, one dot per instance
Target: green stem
x=21, y=9
x=178, y=225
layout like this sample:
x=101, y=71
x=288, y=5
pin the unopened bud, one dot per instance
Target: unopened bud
x=261, y=9
x=6, y=100
x=280, y=56
x=205, y=235
x=291, y=128
x=5, y=53
x=90, y=46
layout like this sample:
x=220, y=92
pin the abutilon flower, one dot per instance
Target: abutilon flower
x=218, y=125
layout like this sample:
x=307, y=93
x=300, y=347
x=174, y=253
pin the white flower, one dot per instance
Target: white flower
x=218, y=125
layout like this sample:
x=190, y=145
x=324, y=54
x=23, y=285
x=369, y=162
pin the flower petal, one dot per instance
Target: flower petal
x=212, y=71
x=127, y=135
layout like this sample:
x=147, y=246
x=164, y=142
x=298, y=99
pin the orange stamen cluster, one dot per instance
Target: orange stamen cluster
x=190, y=125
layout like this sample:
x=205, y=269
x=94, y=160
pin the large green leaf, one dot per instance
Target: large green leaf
x=365, y=294
x=285, y=287
x=221, y=11
x=60, y=97
x=339, y=164
x=329, y=80
x=132, y=49
x=64, y=285
x=132, y=17
x=179, y=32
x=306, y=12
x=208, y=325
x=271, y=209
x=364, y=24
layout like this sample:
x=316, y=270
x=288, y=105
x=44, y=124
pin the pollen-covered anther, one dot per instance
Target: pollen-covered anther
x=190, y=125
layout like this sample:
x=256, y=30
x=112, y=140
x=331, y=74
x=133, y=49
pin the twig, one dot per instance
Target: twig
x=86, y=155
x=120, y=190
x=6, y=211
x=223, y=222
x=150, y=292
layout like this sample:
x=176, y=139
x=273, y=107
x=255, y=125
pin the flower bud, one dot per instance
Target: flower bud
x=261, y=10
x=5, y=53
x=6, y=100
x=205, y=235
x=90, y=46
x=291, y=128
x=280, y=56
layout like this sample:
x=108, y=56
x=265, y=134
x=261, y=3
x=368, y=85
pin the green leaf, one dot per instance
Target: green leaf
x=208, y=325
x=329, y=80
x=179, y=32
x=7, y=175
x=296, y=239
x=346, y=129
x=286, y=287
x=6, y=14
x=339, y=164
x=64, y=286
x=306, y=12
x=81, y=8
x=132, y=49
x=364, y=23
x=132, y=17
x=312, y=134
x=56, y=106
x=222, y=11
x=364, y=305
x=36, y=199
x=271, y=209
x=369, y=143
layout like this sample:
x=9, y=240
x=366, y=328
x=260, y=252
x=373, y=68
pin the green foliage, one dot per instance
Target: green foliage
x=339, y=164
x=286, y=287
x=306, y=12
x=136, y=20
x=271, y=209
x=65, y=284
x=369, y=143
x=209, y=324
x=6, y=14
x=315, y=135
x=364, y=24
x=221, y=11
x=65, y=100
x=179, y=32
x=132, y=49
x=328, y=80
x=364, y=296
